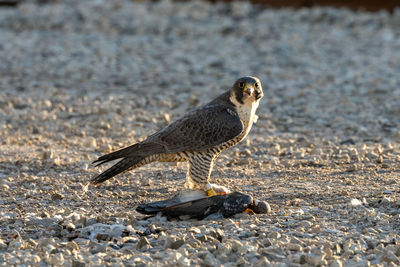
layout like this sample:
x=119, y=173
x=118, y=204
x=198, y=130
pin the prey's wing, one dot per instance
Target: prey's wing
x=200, y=129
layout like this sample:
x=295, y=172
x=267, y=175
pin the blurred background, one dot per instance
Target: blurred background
x=329, y=68
x=82, y=78
x=371, y=5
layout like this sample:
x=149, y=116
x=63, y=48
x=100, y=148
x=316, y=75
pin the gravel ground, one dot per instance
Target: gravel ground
x=83, y=78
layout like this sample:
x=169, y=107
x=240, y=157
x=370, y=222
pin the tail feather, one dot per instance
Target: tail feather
x=136, y=150
x=115, y=155
x=118, y=168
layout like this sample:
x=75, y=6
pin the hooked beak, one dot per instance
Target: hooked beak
x=248, y=91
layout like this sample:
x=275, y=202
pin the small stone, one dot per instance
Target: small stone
x=355, y=202
x=35, y=130
x=386, y=200
x=241, y=261
x=116, y=230
x=273, y=256
x=218, y=234
x=352, y=168
x=202, y=238
x=296, y=201
x=210, y=260
x=46, y=241
x=17, y=244
x=177, y=244
x=102, y=236
x=262, y=261
x=4, y=187
x=315, y=259
x=72, y=245
x=76, y=263
x=45, y=214
x=306, y=224
x=90, y=143
x=56, y=196
x=91, y=221
x=143, y=242
x=70, y=226
x=56, y=161
x=167, y=117
x=195, y=230
x=47, y=154
x=274, y=235
x=316, y=229
x=98, y=248
x=336, y=263
x=389, y=256
x=32, y=243
x=3, y=245
x=294, y=247
x=243, y=161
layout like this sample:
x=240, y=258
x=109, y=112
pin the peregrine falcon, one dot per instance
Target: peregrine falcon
x=197, y=138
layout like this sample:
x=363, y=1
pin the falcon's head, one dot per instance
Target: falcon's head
x=247, y=90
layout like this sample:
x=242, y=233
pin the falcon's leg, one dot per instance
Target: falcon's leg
x=198, y=176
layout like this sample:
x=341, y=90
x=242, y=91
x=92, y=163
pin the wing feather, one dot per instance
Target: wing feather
x=200, y=129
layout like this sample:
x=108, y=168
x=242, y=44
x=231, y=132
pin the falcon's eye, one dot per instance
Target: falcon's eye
x=241, y=84
x=256, y=85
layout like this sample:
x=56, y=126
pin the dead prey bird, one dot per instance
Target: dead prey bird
x=197, y=138
x=218, y=206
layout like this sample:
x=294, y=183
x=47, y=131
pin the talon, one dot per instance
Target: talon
x=210, y=192
x=248, y=211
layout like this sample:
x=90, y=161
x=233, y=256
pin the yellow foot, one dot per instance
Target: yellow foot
x=249, y=211
x=211, y=192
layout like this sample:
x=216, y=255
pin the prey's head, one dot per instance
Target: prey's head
x=247, y=90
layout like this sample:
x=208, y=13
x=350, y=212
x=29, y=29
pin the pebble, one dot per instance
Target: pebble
x=336, y=263
x=294, y=247
x=324, y=152
x=355, y=202
x=389, y=256
x=56, y=196
x=386, y=200
x=143, y=243
x=315, y=259
x=3, y=245
x=97, y=248
x=177, y=244
x=306, y=224
x=274, y=235
x=77, y=263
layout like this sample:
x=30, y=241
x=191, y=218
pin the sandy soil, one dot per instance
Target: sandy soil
x=78, y=80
